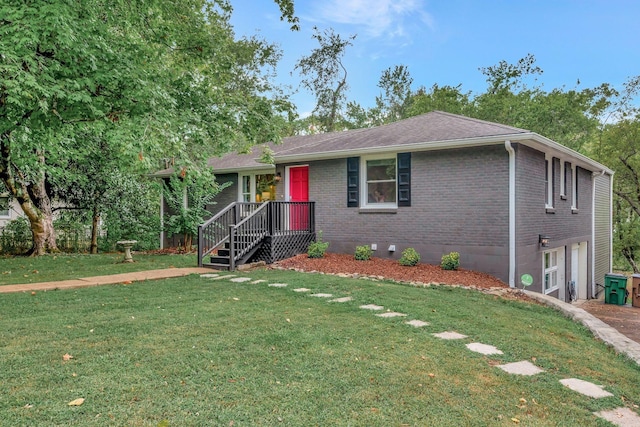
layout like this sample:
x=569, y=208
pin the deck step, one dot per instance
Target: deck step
x=224, y=267
x=224, y=260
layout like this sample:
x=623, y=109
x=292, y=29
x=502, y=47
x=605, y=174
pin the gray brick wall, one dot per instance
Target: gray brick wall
x=563, y=226
x=459, y=203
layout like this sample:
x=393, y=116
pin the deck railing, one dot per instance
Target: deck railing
x=291, y=218
x=244, y=225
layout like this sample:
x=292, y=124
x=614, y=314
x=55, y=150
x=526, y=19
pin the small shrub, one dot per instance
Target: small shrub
x=450, y=261
x=318, y=248
x=410, y=257
x=363, y=253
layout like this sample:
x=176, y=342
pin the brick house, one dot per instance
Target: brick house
x=510, y=201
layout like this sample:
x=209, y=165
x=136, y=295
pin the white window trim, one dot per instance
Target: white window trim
x=574, y=187
x=563, y=189
x=252, y=183
x=364, y=196
x=549, y=178
x=558, y=268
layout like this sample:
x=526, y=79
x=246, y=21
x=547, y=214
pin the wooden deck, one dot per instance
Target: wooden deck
x=247, y=232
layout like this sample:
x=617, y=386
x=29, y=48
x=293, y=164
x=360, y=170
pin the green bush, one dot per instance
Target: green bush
x=318, y=248
x=410, y=257
x=15, y=237
x=363, y=253
x=450, y=261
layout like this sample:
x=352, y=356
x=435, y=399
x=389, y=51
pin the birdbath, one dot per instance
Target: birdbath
x=127, y=245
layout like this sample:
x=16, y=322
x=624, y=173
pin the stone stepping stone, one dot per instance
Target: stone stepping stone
x=483, y=348
x=301, y=290
x=321, y=295
x=623, y=417
x=521, y=368
x=450, y=335
x=278, y=285
x=586, y=388
x=372, y=307
x=417, y=323
x=240, y=279
x=226, y=276
x=209, y=275
x=255, y=282
x=391, y=314
x=343, y=299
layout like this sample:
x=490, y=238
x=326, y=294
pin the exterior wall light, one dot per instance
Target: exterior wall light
x=543, y=240
x=278, y=177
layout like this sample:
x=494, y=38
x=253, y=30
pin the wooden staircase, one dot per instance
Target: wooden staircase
x=268, y=231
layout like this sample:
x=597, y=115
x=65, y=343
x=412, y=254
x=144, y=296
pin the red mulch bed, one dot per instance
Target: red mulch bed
x=391, y=269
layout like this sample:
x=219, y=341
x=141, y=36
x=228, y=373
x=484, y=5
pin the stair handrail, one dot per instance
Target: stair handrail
x=203, y=248
x=251, y=240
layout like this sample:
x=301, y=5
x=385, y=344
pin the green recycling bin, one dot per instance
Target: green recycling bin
x=615, y=289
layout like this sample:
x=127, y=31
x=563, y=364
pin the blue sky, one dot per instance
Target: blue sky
x=444, y=42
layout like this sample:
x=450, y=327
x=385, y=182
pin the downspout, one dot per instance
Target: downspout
x=512, y=213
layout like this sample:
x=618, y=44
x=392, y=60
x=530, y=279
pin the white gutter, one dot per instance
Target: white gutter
x=610, y=222
x=530, y=139
x=512, y=213
x=593, y=234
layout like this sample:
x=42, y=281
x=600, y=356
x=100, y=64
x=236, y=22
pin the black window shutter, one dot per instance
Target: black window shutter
x=353, y=182
x=404, y=179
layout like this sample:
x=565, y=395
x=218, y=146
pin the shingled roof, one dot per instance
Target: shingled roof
x=434, y=130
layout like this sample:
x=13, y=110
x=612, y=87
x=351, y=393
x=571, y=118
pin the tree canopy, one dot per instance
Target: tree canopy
x=169, y=73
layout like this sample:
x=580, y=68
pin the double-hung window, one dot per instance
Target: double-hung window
x=380, y=179
x=548, y=180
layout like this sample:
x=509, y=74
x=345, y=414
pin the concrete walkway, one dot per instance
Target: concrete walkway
x=86, y=282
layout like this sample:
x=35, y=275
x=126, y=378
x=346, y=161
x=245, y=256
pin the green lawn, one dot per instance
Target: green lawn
x=195, y=351
x=15, y=270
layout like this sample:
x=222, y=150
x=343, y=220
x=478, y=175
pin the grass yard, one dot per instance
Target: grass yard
x=195, y=351
x=17, y=270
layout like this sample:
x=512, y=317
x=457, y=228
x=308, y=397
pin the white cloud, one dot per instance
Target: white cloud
x=377, y=18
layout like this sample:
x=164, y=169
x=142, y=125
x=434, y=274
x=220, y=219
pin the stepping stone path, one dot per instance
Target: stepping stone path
x=483, y=348
x=450, y=335
x=372, y=307
x=586, y=388
x=521, y=368
x=391, y=314
x=343, y=299
x=623, y=417
x=417, y=323
x=278, y=285
x=209, y=275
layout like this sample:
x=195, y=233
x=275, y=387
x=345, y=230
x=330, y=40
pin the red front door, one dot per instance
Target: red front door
x=299, y=192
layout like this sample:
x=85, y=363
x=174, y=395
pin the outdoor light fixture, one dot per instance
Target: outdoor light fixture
x=278, y=177
x=543, y=240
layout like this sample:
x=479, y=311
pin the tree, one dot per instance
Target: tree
x=171, y=70
x=395, y=83
x=325, y=75
x=439, y=98
x=199, y=189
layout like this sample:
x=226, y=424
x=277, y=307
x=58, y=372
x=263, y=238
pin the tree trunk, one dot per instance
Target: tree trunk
x=94, y=231
x=33, y=200
x=188, y=241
